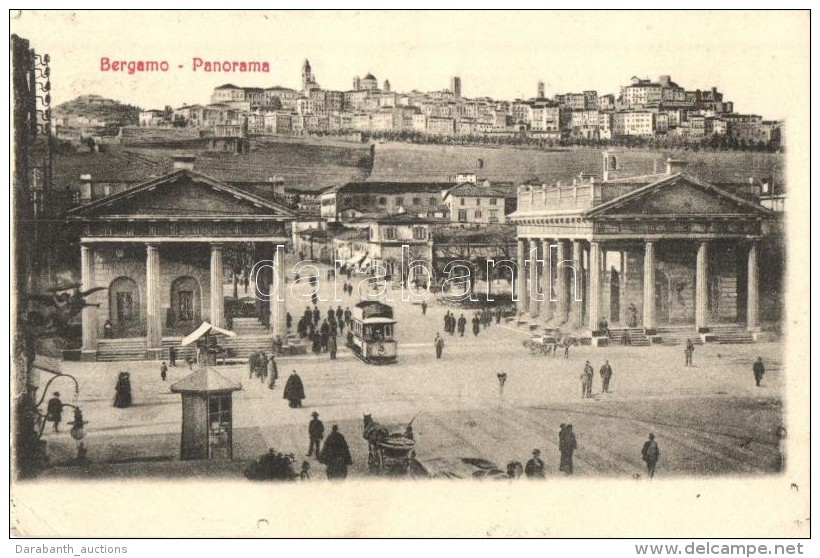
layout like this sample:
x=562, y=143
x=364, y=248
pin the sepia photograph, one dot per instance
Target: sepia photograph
x=409, y=274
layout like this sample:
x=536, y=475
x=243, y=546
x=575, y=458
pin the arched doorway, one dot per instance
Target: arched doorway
x=124, y=308
x=185, y=312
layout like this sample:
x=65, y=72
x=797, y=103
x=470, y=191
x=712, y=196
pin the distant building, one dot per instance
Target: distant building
x=417, y=198
x=455, y=86
x=476, y=202
x=541, y=91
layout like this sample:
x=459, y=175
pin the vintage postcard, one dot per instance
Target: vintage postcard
x=409, y=274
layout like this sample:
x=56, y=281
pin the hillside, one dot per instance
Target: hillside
x=413, y=162
x=98, y=109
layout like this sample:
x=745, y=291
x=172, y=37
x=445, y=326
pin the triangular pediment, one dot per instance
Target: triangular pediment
x=679, y=196
x=182, y=193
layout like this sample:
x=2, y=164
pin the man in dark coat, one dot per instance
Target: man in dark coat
x=316, y=315
x=566, y=445
x=324, y=332
x=348, y=315
x=288, y=320
x=650, y=454
x=476, y=325
x=688, y=349
x=54, y=411
x=606, y=375
x=336, y=455
x=534, y=469
x=423, y=307
x=294, y=390
x=172, y=356
x=316, y=431
x=340, y=314
x=439, y=344
x=462, y=324
x=758, y=370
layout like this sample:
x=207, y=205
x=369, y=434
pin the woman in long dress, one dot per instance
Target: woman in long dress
x=566, y=445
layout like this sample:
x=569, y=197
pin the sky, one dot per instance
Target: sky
x=759, y=60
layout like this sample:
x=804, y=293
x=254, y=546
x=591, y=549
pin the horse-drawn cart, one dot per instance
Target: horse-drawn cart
x=387, y=453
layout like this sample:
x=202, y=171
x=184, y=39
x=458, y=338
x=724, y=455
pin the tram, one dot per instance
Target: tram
x=371, y=332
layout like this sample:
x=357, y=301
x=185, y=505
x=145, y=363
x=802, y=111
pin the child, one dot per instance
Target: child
x=163, y=372
x=304, y=474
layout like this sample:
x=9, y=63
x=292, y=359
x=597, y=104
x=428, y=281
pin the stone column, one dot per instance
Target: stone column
x=521, y=277
x=535, y=249
x=89, y=313
x=594, y=313
x=546, y=279
x=649, y=286
x=702, y=286
x=577, y=287
x=278, y=308
x=752, y=289
x=217, y=287
x=152, y=309
x=561, y=283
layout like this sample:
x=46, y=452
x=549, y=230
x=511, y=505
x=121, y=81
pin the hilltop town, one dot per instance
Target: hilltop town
x=644, y=112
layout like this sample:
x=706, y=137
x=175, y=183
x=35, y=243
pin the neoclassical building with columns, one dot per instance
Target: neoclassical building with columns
x=662, y=251
x=158, y=248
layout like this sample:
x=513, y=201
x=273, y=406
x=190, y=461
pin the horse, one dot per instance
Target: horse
x=373, y=430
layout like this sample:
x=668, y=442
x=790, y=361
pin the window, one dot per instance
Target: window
x=382, y=201
x=493, y=216
x=462, y=201
x=389, y=233
x=462, y=215
x=478, y=201
x=399, y=200
x=493, y=201
x=416, y=201
x=478, y=214
x=433, y=201
x=419, y=233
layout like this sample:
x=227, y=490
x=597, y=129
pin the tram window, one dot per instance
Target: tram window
x=388, y=331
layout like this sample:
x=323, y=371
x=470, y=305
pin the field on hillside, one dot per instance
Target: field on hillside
x=405, y=162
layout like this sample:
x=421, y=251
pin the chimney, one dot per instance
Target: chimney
x=674, y=166
x=183, y=162
x=85, y=187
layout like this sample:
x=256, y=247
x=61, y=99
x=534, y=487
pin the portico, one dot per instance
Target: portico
x=645, y=252
x=159, y=248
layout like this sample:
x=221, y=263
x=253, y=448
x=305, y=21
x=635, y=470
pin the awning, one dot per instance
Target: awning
x=378, y=320
x=204, y=330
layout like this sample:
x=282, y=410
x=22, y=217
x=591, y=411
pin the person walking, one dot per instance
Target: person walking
x=331, y=346
x=294, y=390
x=172, y=356
x=423, y=307
x=606, y=375
x=262, y=370
x=476, y=325
x=758, y=370
x=54, y=411
x=688, y=350
x=651, y=453
x=462, y=324
x=586, y=381
x=566, y=347
x=336, y=455
x=163, y=372
x=439, y=344
x=316, y=431
x=566, y=445
x=273, y=372
x=534, y=469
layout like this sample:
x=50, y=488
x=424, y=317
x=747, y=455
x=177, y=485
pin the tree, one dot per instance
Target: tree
x=180, y=121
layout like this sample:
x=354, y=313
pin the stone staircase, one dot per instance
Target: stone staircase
x=731, y=333
x=677, y=335
x=128, y=348
x=637, y=337
x=249, y=327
